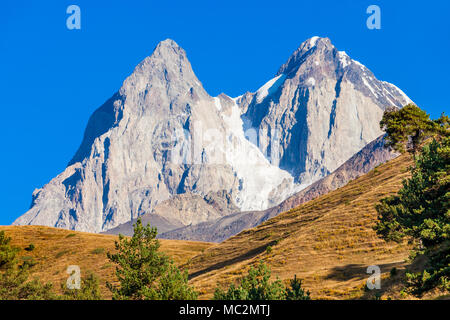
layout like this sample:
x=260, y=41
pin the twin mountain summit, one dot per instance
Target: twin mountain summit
x=204, y=168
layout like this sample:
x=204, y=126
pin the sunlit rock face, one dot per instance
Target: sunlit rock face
x=320, y=109
x=162, y=135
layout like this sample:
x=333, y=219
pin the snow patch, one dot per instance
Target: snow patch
x=269, y=87
x=313, y=41
x=217, y=103
x=311, y=82
x=258, y=177
x=237, y=98
x=387, y=97
x=359, y=64
x=344, y=58
x=369, y=86
x=405, y=97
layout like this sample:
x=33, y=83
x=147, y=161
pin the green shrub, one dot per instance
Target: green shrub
x=28, y=261
x=98, y=251
x=420, y=212
x=89, y=289
x=14, y=277
x=61, y=253
x=30, y=247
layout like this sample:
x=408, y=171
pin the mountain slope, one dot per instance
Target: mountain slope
x=328, y=241
x=221, y=229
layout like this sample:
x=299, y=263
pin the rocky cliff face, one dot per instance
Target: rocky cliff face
x=162, y=136
x=225, y=227
x=159, y=136
x=320, y=109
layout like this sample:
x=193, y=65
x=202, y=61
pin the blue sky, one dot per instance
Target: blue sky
x=53, y=78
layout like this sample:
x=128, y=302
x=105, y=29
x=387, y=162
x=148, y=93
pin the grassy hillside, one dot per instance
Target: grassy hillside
x=56, y=249
x=329, y=242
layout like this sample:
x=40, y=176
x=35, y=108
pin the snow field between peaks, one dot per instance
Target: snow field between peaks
x=257, y=176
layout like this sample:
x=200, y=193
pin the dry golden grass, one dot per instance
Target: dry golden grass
x=56, y=249
x=329, y=242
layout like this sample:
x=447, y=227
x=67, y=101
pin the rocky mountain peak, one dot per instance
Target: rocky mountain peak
x=317, y=59
x=168, y=43
x=168, y=66
x=323, y=107
x=316, y=42
x=170, y=53
x=162, y=135
x=306, y=49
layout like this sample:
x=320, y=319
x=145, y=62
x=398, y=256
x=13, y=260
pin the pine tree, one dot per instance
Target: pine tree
x=296, y=292
x=421, y=212
x=144, y=272
x=407, y=128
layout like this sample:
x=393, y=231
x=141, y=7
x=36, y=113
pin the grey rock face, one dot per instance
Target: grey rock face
x=159, y=136
x=319, y=110
x=161, y=146
x=223, y=228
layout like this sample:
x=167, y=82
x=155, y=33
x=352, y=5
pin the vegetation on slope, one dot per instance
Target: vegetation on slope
x=329, y=242
x=15, y=282
x=256, y=285
x=421, y=209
